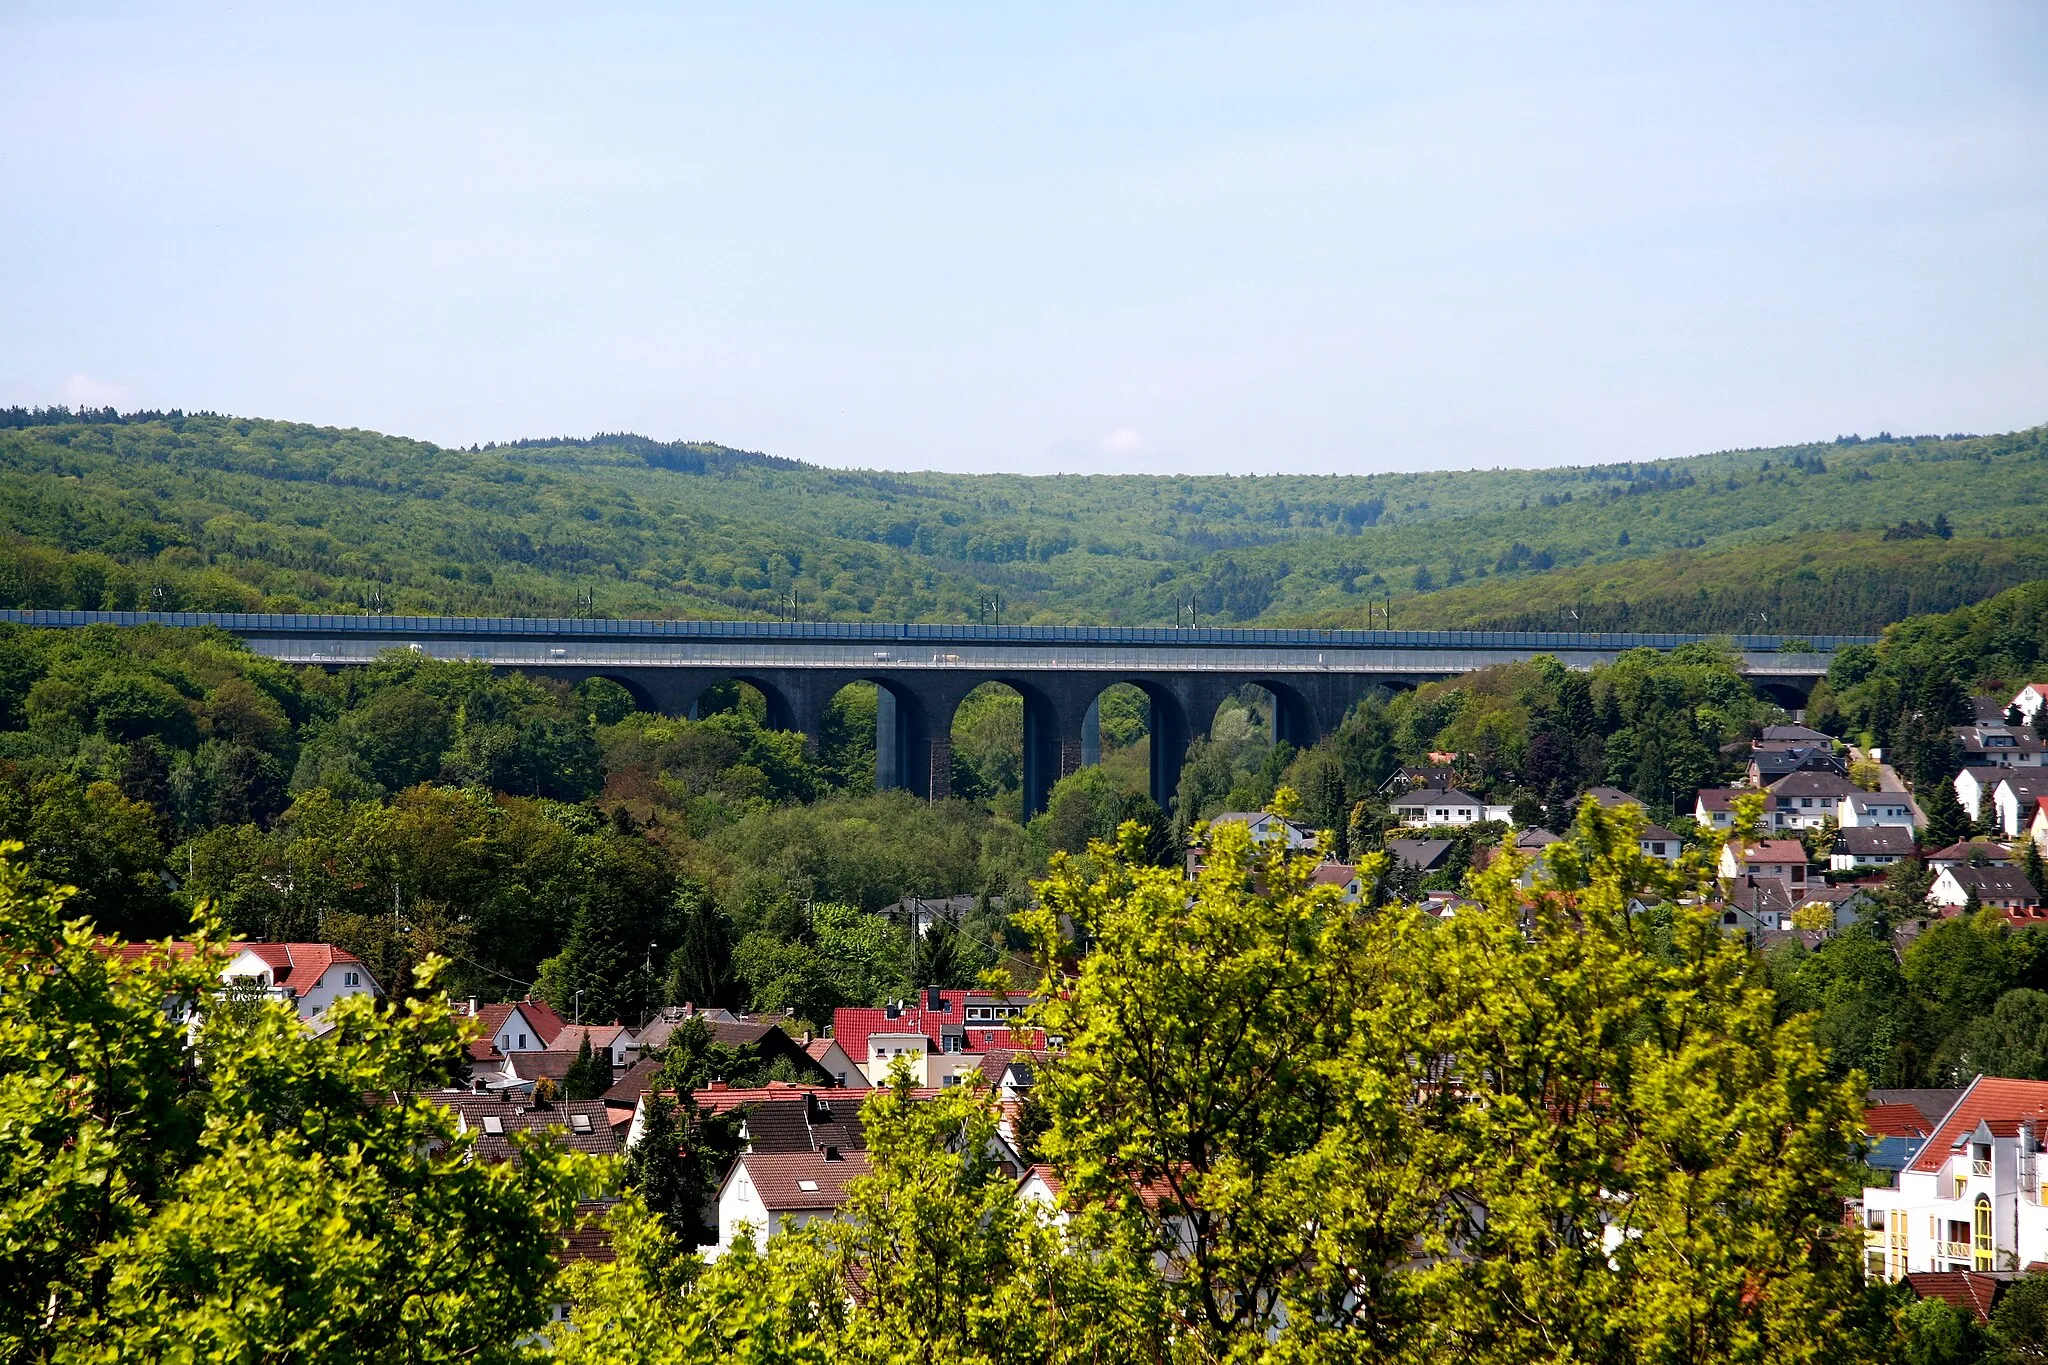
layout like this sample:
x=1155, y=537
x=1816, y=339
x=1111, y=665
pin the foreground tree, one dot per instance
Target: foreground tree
x=183, y=1177
x=1541, y=1129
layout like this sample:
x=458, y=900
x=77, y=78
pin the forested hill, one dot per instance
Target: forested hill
x=171, y=510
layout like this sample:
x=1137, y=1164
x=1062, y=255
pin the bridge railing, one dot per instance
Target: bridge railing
x=241, y=623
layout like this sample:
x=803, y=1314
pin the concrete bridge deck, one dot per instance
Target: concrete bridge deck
x=925, y=671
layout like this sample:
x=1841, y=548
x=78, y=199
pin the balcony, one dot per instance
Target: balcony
x=1873, y=1237
x=1980, y=1168
x=1952, y=1251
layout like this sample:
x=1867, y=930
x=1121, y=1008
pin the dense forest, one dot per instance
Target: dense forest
x=179, y=510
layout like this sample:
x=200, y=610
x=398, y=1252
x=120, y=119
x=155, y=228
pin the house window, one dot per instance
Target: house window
x=1981, y=1255
x=494, y=1125
x=522, y=1042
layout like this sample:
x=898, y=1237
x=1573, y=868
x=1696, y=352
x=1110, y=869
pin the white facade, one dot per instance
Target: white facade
x=2029, y=699
x=337, y=981
x=1973, y=1198
x=885, y=1048
x=2015, y=805
x=1973, y=789
x=1877, y=808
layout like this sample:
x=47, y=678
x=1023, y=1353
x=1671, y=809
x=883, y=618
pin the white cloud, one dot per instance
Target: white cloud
x=1122, y=441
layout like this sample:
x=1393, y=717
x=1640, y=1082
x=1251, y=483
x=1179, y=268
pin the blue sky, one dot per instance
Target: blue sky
x=1174, y=238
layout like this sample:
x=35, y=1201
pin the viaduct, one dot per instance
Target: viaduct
x=923, y=672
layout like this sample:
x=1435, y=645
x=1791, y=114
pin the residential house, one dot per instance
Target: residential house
x=1809, y=797
x=615, y=1042
x=1974, y=787
x=2016, y=798
x=1409, y=778
x=1971, y=1199
x=512, y=1026
x=1423, y=855
x=307, y=976
x=495, y=1119
x=1802, y=736
x=766, y=1035
x=768, y=1192
x=2037, y=828
x=1768, y=765
x=1755, y=906
x=1897, y=1132
x=1999, y=745
x=2029, y=699
x=1614, y=798
x=1869, y=846
x=1343, y=876
x=2002, y=888
x=1783, y=860
x=1427, y=807
x=1659, y=843
x=1845, y=905
x=1970, y=853
x=1265, y=828
x=1714, y=808
x=940, y=1034
x=1862, y=809
x=832, y=1059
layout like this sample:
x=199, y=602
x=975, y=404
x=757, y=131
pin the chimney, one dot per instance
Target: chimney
x=717, y=1085
x=807, y=1037
x=832, y=1154
x=472, y=1007
x=934, y=1000
x=893, y=1009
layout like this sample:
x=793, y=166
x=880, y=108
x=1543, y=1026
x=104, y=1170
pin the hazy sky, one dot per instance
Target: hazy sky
x=1168, y=238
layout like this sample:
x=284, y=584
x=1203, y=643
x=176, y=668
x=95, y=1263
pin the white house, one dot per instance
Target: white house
x=827, y=1053
x=2005, y=888
x=1659, y=843
x=1863, y=809
x=308, y=976
x=1423, y=808
x=1782, y=860
x=1715, y=807
x=615, y=1041
x=2015, y=798
x=2029, y=700
x=765, y=1193
x=1972, y=1198
x=1869, y=846
x=1974, y=787
x=1808, y=797
x=1997, y=744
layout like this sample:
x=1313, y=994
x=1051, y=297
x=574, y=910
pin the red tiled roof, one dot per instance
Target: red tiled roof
x=1987, y=1098
x=779, y=1177
x=1968, y=1290
x=852, y=1026
x=569, y=1038
x=298, y=967
x=1895, y=1120
x=1771, y=851
x=1047, y=1176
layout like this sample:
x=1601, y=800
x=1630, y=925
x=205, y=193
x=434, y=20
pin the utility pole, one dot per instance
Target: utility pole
x=579, y=1007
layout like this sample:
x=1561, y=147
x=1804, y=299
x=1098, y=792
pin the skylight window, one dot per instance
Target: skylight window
x=494, y=1125
x=580, y=1122
x=807, y=1186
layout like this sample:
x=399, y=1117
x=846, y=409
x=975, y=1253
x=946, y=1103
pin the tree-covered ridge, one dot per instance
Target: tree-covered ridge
x=199, y=511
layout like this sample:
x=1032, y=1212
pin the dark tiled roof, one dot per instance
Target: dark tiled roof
x=2003, y=883
x=1809, y=783
x=1423, y=854
x=1871, y=840
x=1933, y=1104
x=579, y=1125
